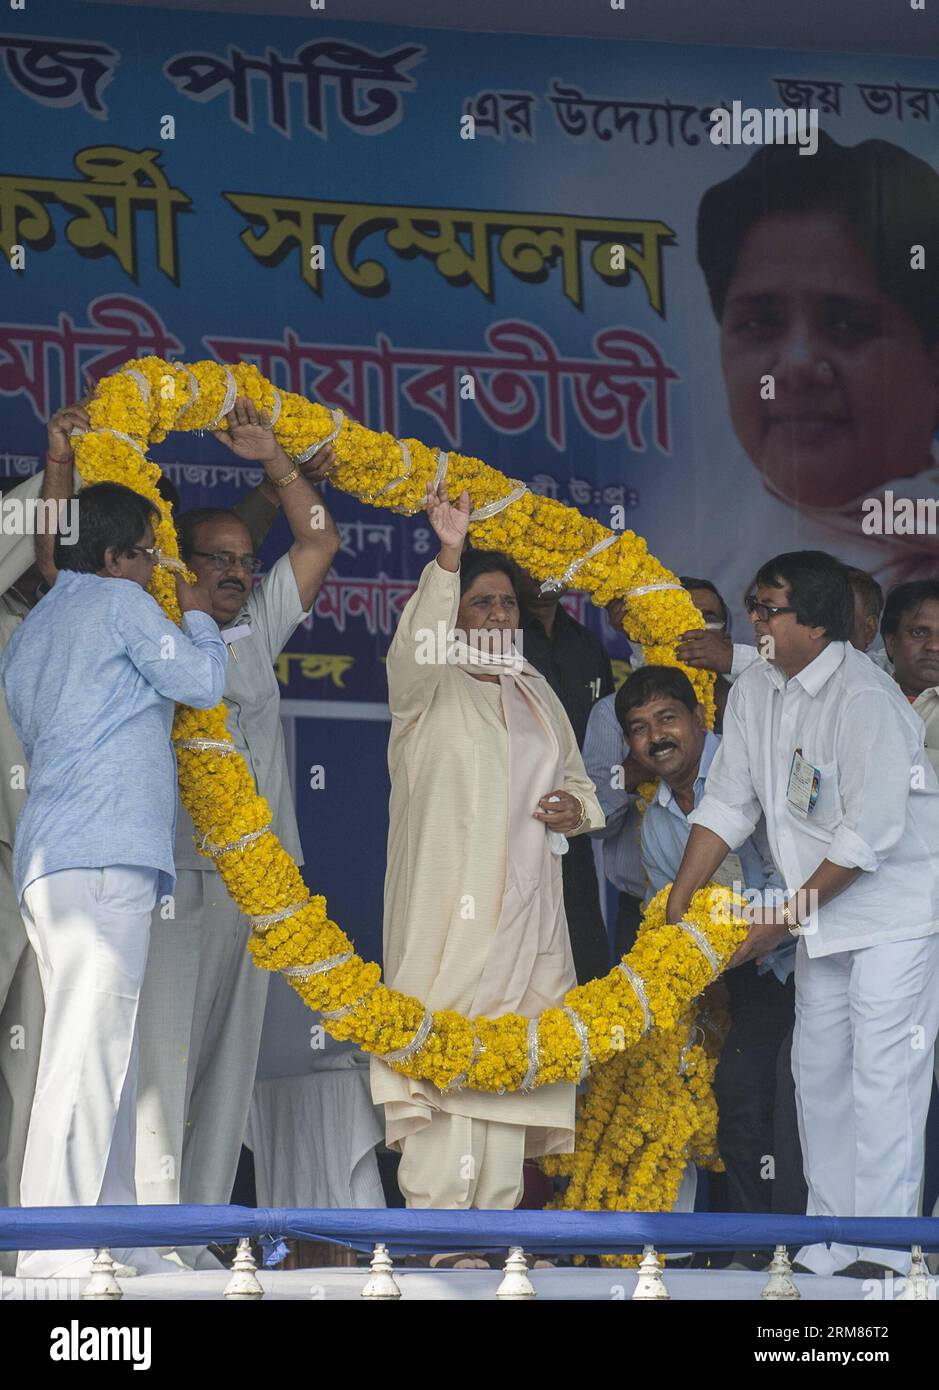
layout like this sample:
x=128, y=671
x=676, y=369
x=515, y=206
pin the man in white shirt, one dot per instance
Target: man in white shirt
x=203, y=1000
x=910, y=631
x=824, y=745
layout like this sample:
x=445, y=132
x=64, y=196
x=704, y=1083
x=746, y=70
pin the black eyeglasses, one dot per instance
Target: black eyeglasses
x=224, y=560
x=151, y=552
x=764, y=611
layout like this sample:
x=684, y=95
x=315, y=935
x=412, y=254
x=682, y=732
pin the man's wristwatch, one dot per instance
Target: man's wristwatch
x=789, y=922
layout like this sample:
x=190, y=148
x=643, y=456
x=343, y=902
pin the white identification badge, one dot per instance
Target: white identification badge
x=804, y=781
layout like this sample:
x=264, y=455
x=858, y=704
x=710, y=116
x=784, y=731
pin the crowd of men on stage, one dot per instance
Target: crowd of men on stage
x=817, y=788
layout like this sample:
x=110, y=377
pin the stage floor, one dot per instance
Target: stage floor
x=551, y=1285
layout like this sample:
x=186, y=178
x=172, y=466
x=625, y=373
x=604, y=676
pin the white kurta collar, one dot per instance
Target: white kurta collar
x=813, y=677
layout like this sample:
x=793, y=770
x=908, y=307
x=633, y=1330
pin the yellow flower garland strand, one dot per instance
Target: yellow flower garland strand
x=293, y=933
x=645, y=1115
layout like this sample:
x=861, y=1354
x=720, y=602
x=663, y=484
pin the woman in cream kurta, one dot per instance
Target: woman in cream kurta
x=474, y=908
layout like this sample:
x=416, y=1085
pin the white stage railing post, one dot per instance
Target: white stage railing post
x=381, y=1282
x=650, y=1283
x=780, y=1283
x=516, y=1283
x=916, y=1288
x=101, y=1282
x=244, y=1280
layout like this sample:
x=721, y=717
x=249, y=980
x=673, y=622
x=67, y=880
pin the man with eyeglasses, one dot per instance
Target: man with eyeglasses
x=21, y=1006
x=712, y=649
x=91, y=677
x=203, y=999
x=27, y=573
x=821, y=742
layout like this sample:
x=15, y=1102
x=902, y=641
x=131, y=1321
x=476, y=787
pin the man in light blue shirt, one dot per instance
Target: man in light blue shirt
x=91, y=677
x=665, y=831
x=664, y=726
x=616, y=774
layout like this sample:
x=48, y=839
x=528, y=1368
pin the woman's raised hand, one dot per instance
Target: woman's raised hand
x=450, y=522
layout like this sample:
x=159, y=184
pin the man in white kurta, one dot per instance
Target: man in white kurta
x=474, y=913
x=821, y=742
x=202, y=1006
x=203, y=1000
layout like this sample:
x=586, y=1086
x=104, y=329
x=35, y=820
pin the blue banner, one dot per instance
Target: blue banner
x=487, y=243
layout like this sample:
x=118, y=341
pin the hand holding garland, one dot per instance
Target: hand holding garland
x=249, y=435
x=704, y=852
x=57, y=482
x=768, y=927
x=706, y=651
x=190, y=598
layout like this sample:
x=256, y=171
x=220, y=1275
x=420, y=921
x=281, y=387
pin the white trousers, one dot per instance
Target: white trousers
x=457, y=1162
x=201, y=1013
x=20, y=1036
x=89, y=929
x=862, y=1053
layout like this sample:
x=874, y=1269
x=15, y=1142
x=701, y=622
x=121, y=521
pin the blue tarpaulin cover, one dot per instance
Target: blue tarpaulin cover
x=424, y=1232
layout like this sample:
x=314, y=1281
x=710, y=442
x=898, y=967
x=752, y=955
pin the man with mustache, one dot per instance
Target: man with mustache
x=203, y=1001
x=616, y=774
x=757, y=1132
x=910, y=629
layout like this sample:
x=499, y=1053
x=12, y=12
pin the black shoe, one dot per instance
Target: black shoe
x=866, y=1269
x=754, y=1261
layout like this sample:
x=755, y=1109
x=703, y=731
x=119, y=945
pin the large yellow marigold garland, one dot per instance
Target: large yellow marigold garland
x=647, y=997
